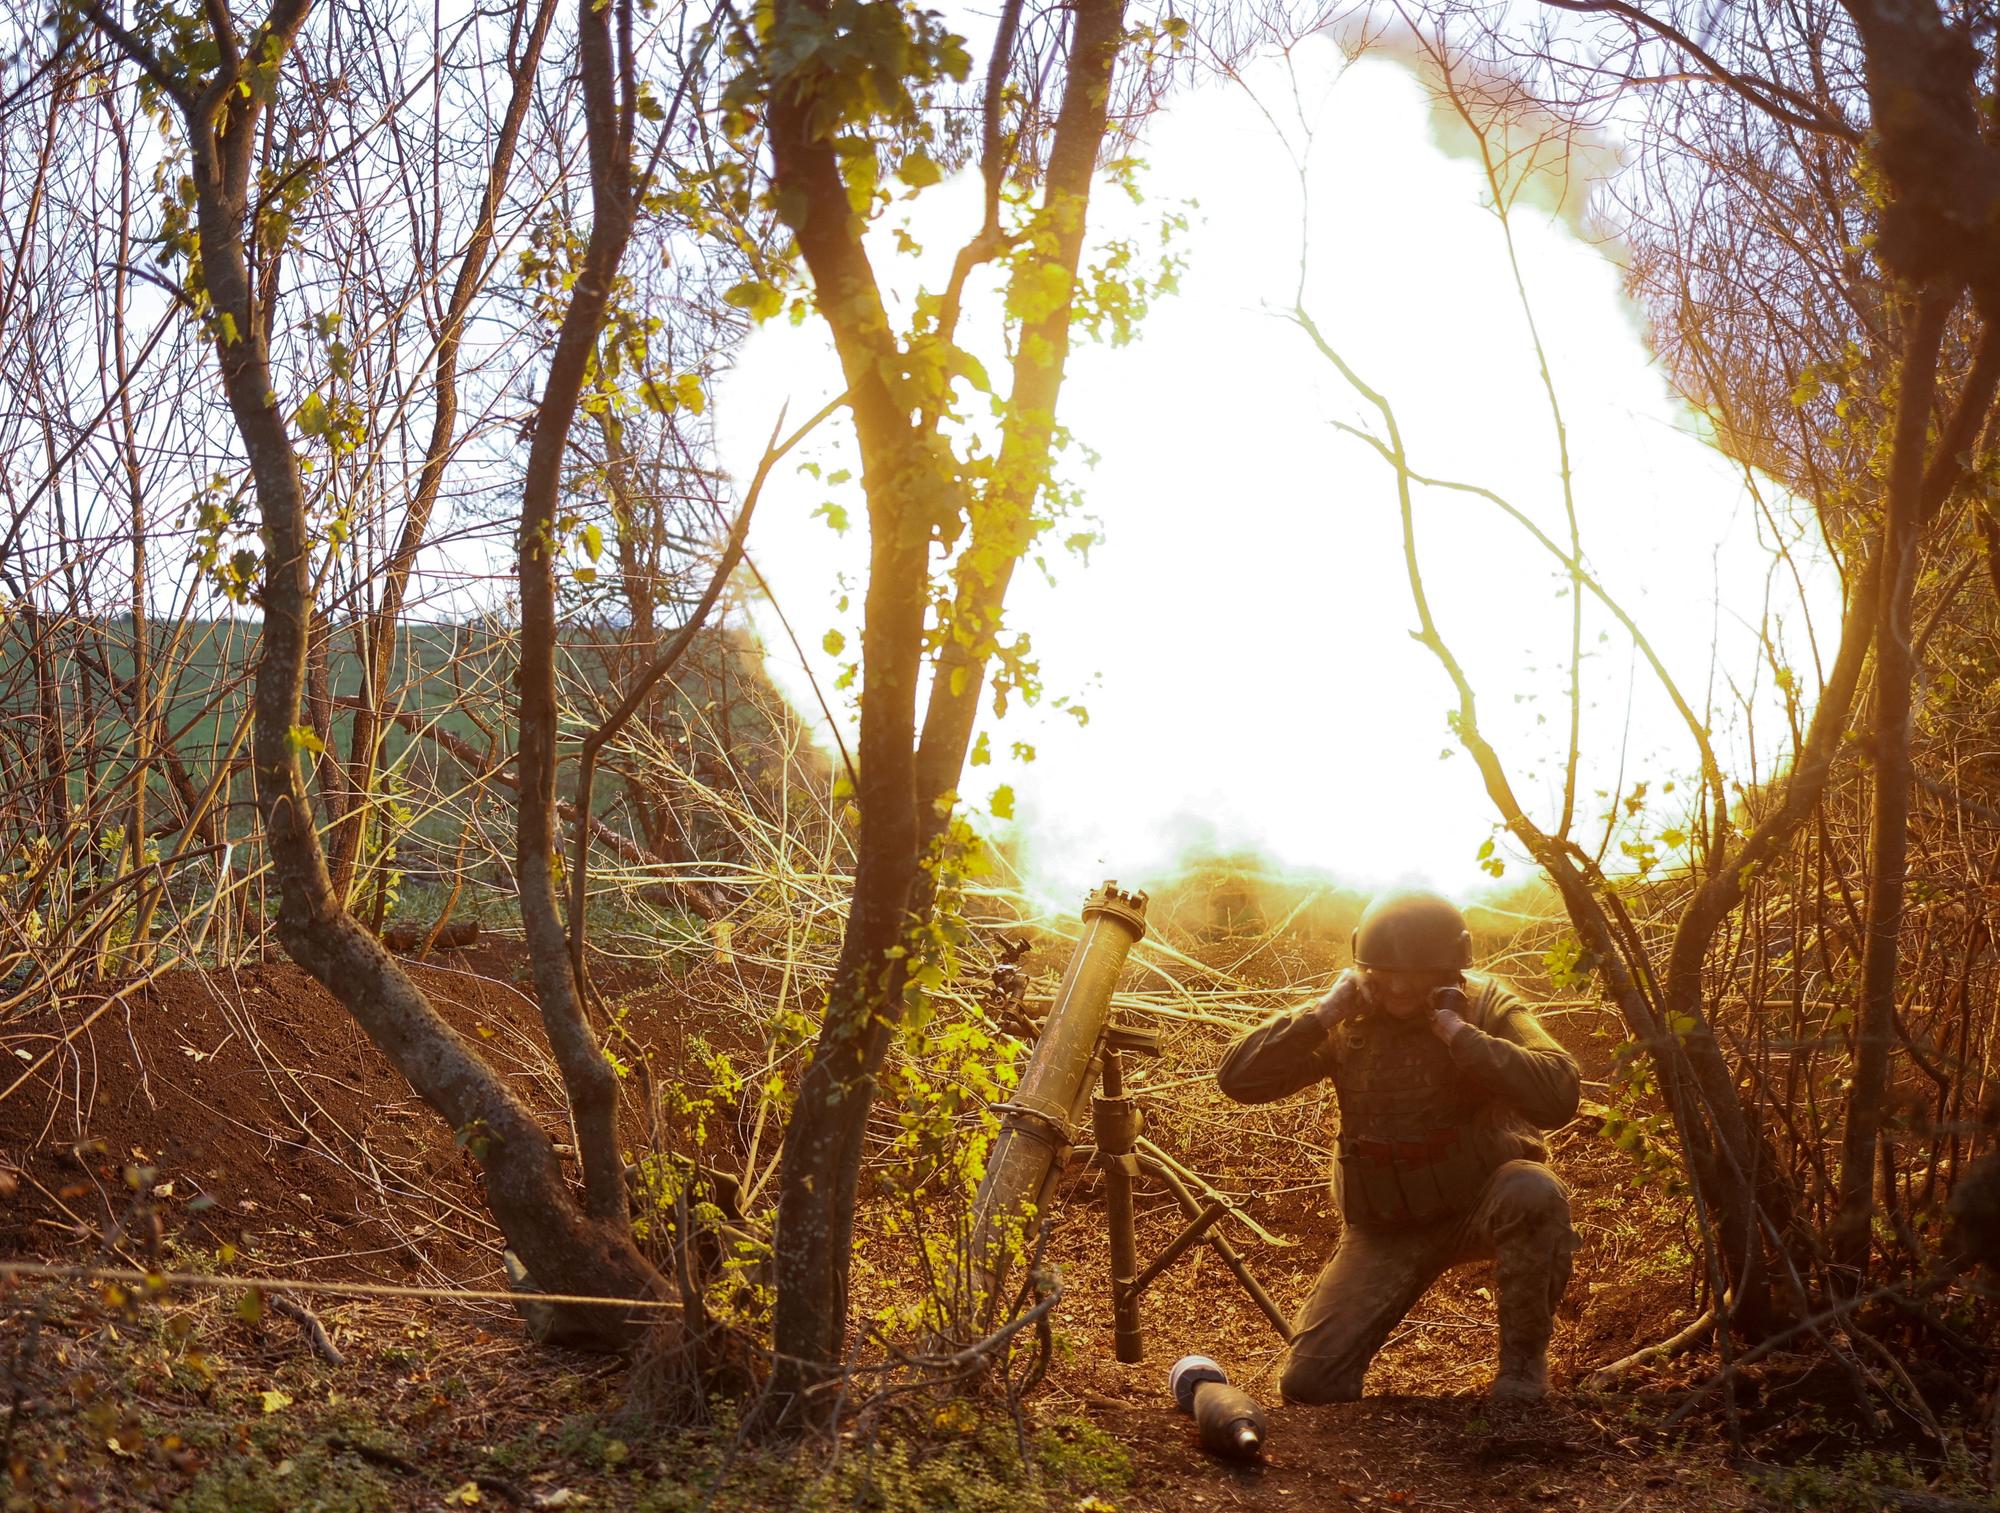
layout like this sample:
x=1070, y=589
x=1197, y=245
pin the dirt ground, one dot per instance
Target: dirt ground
x=280, y=1143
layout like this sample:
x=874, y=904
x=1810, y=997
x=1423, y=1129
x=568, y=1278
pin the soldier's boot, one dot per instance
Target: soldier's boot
x=1526, y=1322
x=1534, y=1243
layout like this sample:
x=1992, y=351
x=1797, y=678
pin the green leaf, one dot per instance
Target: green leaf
x=302, y=738
x=762, y=300
x=919, y=170
x=964, y=365
x=313, y=418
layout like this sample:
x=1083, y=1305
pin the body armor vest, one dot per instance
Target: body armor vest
x=1409, y=1152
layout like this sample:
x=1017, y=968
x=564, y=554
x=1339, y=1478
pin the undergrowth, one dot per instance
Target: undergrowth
x=189, y=1405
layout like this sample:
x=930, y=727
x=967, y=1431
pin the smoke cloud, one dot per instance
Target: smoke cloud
x=1241, y=638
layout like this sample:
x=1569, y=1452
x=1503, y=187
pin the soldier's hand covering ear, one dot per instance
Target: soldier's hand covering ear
x=1446, y=1020
x=1347, y=997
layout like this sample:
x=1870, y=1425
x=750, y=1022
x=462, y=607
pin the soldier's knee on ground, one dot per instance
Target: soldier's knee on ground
x=1315, y=1379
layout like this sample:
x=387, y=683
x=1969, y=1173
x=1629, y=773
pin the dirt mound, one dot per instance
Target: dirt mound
x=271, y=1124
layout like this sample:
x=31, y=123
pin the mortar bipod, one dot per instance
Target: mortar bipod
x=1123, y=1156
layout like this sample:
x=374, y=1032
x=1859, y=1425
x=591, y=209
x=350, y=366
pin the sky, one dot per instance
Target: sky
x=1241, y=638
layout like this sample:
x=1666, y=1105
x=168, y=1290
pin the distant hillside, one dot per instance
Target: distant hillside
x=455, y=680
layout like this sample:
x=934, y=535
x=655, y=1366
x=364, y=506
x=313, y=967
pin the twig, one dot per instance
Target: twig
x=276, y=1285
x=307, y=1320
x=374, y=1454
x=499, y=1486
x=1604, y=1377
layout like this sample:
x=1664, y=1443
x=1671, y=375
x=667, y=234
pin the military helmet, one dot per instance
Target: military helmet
x=1410, y=931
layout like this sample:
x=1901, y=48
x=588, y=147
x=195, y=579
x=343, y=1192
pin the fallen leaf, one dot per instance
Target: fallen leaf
x=273, y=1399
x=465, y=1495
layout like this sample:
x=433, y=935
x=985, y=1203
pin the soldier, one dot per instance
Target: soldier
x=1443, y=1079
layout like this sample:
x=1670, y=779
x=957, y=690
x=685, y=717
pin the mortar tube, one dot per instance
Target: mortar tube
x=1037, y=1123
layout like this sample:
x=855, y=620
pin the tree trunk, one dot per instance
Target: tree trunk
x=588, y=1077
x=905, y=491
x=1888, y=843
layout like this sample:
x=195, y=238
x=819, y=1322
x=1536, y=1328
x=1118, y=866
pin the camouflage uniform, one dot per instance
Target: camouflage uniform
x=1441, y=1162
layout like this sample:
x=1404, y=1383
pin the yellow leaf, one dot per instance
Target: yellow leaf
x=273, y=1399
x=956, y=1417
x=464, y=1496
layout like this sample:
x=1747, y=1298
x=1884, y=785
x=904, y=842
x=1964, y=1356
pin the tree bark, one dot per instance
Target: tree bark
x=905, y=490
x=588, y=1077
x=1888, y=843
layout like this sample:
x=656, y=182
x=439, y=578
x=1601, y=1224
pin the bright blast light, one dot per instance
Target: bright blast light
x=1241, y=637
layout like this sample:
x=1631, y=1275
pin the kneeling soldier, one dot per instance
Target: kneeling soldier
x=1443, y=1079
